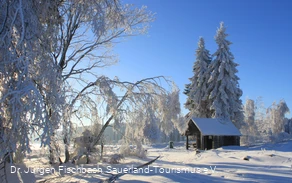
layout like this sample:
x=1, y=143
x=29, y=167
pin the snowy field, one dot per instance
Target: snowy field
x=266, y=163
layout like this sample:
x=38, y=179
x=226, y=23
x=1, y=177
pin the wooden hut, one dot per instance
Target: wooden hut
x=212, y=133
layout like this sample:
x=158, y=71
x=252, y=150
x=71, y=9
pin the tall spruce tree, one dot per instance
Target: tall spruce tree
x=223, y=86
x=197, y=103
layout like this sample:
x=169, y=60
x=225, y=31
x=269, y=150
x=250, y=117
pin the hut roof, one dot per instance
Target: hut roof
x=211, y=126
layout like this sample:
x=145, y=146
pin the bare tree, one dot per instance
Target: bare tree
x=251, y=129
x=87, y=32
x=276, y=116
x=145, y=106
x=51, y=53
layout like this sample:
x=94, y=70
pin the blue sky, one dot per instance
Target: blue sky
x=260, y=30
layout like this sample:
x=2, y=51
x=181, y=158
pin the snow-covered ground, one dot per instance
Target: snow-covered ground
x=267, y=163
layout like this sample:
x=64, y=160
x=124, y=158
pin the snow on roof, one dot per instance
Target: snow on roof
x=211, y=126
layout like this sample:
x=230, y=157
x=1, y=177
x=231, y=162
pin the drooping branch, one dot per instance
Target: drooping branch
x=129, y=91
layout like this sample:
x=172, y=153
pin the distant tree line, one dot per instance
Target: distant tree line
x=266, y=124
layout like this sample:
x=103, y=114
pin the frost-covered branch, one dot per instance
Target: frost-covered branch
x=88, y=28
x=28, y=97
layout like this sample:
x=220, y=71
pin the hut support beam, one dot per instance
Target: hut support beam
x=187, y=142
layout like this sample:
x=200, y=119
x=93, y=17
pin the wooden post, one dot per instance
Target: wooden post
x=202, y=142
x=187, y=143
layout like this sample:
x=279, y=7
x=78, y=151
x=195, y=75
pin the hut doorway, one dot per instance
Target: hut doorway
x=209, y=142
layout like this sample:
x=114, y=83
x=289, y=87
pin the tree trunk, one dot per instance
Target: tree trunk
x=67, y=155
x=101, y=150
x=187, y=143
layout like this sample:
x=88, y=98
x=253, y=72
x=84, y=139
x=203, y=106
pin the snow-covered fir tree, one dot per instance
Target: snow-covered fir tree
x=223, y=86
x=186, y=92
x=197, y=103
